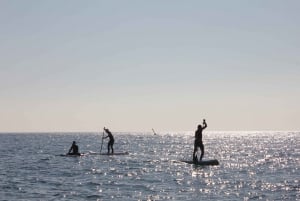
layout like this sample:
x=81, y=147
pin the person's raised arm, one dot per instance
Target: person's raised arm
x=204, y=124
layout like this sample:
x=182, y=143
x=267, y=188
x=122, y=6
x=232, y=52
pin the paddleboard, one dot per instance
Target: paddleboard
x=72, y=155
x=110, y=154
x=203, y=162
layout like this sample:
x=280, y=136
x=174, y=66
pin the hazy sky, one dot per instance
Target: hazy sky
x=136, y=65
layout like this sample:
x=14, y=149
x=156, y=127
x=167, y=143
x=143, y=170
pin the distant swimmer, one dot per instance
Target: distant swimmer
x=74, y=149
x=198, y=141
x=111, y=142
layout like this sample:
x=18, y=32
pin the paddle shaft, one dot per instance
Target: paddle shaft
x=102, y=142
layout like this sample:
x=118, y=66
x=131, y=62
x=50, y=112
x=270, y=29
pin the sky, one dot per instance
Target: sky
x=136, y=65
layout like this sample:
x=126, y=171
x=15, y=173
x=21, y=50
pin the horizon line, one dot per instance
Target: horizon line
x=150, y=131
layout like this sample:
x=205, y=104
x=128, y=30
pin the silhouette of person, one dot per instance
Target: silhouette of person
x=198, y=141
x=111, y=141
x=74, y=149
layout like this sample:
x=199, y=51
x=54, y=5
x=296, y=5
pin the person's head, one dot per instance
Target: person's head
x=74, y=142
x=199, y=126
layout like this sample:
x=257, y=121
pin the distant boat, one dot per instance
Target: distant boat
x=154, y=131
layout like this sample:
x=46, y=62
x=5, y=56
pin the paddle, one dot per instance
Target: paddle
x=102, y=142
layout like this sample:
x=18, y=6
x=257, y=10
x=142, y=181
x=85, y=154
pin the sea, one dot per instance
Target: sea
x=253, y=166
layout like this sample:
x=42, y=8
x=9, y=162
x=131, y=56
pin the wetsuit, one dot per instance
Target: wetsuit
x=198, y=141
x=111, y=141
x=74, y=149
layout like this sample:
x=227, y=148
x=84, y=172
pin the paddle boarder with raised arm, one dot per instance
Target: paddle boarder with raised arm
x=198, y=141
x=74, y=149
x=111, y=141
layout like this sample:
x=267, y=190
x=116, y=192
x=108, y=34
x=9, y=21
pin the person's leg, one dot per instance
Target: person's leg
x=112, y=147
x=194, y=153
x=202, y=151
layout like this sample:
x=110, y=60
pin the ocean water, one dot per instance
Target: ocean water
x=253, y=166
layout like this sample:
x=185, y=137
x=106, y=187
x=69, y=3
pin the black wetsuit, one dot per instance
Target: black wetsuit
x=111, y=141
x=198, y=141
x=74, y=149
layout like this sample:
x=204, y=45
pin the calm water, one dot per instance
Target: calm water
x=253, y=166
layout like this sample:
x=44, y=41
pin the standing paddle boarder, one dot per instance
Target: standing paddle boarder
x=111, y=140
x=198, y=141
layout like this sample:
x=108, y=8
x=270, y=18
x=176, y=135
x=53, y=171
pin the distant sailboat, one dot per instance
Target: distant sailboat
x=154, y=131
